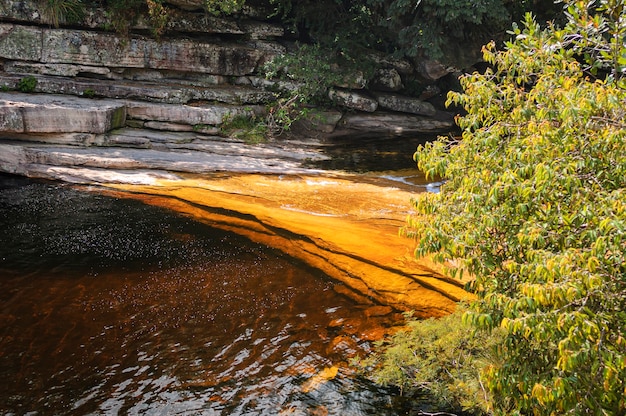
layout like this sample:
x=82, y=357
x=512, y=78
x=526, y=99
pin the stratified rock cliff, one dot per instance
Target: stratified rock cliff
x=199, y=61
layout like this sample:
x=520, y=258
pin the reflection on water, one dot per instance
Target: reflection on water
x=372, y=154
x=109, y=306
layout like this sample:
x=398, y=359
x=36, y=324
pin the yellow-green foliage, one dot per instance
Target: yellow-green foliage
x=245, y=127
x=218, y=7
x=534, y=206
x=440, y=357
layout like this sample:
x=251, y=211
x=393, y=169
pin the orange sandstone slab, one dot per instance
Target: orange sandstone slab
x=345, y=227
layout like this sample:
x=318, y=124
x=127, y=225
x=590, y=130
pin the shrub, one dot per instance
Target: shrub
x=440, y=357
x=56, y=12
x=158, y=16
x=534, y=208
x=27, y=84
x=244, y=127
x=314, y=70
x=218, y=7
x=124, y=13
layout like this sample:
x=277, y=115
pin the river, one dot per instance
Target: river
x=112, y=306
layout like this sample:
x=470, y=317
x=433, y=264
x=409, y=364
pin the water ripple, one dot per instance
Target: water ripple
x=113, y=307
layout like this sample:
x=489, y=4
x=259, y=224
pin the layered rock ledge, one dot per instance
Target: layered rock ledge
x=48, y=136
x=202, y=60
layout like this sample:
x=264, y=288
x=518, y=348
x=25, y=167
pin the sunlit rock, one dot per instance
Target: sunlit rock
x=25, y=113
x=354, y=100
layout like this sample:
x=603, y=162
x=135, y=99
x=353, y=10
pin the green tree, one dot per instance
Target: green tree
x=408, y=29
x=342, y=27
x=430, y=27
x=534, y=208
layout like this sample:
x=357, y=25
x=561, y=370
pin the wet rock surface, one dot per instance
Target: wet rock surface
x=341, y=224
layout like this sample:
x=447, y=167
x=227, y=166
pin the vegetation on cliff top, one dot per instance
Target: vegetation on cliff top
x=408, y=29
x=335, y=37
x=426, y=28
x=534, y=207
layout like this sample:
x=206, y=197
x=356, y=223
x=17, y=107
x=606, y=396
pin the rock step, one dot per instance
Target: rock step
x=111, y=50
x=51, y=113
x=163, y=91
x=181, y=142
x=88, y=158
x=24, y=113
x=408, y=116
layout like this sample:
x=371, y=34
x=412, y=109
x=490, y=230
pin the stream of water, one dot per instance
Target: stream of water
x=109, y=306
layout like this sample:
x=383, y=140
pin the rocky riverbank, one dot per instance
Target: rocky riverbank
x=85, y=96
x=63, y=137
x=138, y=115
x=346, y=225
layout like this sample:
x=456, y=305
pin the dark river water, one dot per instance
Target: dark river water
x=109, y=306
